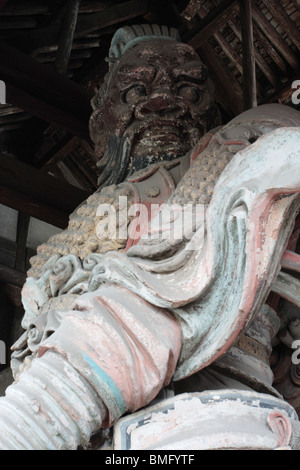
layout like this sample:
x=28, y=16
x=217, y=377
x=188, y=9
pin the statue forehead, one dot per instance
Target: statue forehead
x=159, y=51
x=146, y=58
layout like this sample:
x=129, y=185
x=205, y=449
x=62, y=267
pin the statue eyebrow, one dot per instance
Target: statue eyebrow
x=194, y=74
x=129, y=73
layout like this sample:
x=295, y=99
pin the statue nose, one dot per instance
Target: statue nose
x=161, y=101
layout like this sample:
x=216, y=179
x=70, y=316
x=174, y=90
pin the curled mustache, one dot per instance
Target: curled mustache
x=118, y=160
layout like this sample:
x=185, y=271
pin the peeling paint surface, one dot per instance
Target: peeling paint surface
x=231, y=420
x=110, y=323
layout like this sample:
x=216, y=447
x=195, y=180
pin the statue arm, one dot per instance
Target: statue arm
x=61, y=269
x=110, y=355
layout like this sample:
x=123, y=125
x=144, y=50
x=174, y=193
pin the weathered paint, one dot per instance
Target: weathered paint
x=147, y=319
x=228, y=419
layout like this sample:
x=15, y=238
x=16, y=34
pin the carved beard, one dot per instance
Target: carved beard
x=122, y=161
x=142, y=146
x=162, y=142
x=115, y=161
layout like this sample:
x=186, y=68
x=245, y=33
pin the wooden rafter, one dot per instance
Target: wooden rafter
x=91, y=75
x=42, y=196
x=259, y=60
x=211, y=23
x=235, y=57
x=50, y=159
x=249, y=73
x=297, y=3
x=227, y=87
x=81, y=173
x=267, y=46
x=224, y=44
x=110, y=16
x=44, y=93
x=274, y=37
x=86, y=24
x=22, y=233
x=284, y=20
x=66, y=36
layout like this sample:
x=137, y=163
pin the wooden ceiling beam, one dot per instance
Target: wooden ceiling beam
x=259, y=59
x=297, y=3
x=227, y=86
x=93, y=6
x=211, y=23
x=224, y=44
x=86, y=23
x=269, y=48
x=235, y=57
x=21, y=240
x=63, y=148
x=284, y=20
x=90, y=76
x=80, y=173
x=44, y=93
x=66, y=36
x=274, y=37
x=11, y=276
x=249, y=73
x=228, y=90
x=39, y=195
x=26, y=8
x=110, y=16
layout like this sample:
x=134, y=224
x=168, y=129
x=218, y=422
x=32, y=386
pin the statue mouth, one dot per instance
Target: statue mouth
x=158, y=139
x=160, y=142
x=158, y=131
x=161, y=132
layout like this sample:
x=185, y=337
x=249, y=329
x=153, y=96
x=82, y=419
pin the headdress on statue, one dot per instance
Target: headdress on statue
x=128, y=36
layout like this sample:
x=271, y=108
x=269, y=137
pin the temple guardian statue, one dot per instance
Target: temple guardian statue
x=165, y=339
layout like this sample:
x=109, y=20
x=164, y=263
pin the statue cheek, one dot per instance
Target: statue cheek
x=199, y=112
x=196, y=113
x=117, y=118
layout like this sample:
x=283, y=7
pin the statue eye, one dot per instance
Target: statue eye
x=134, y=93
x=189, y=93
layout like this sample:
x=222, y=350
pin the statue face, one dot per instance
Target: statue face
x=159, y=98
